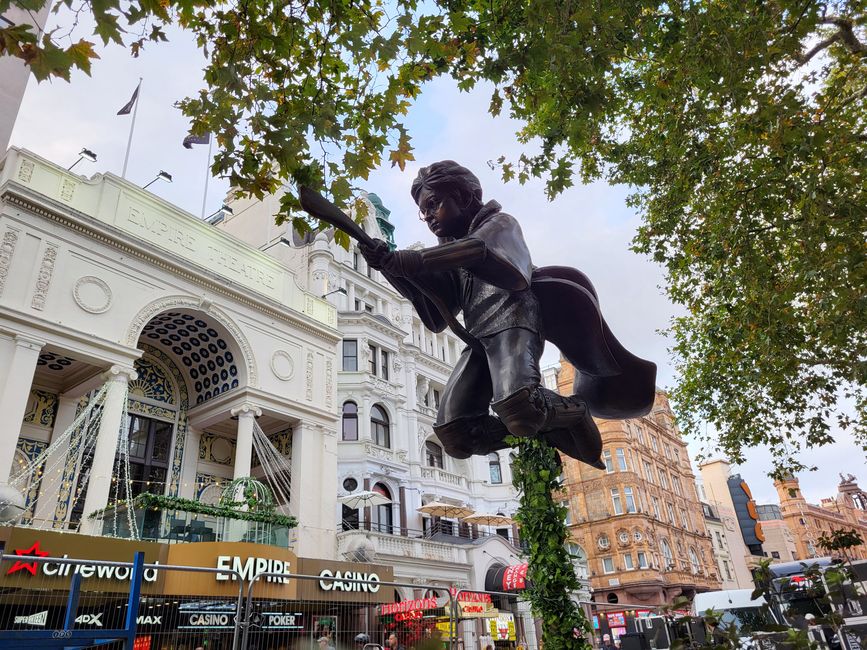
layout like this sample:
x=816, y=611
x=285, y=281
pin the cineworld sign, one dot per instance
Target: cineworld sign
x=99, y=572
x=335, y=581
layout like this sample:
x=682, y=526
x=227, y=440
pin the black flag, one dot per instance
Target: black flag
x=190, y=140
x=127, y=108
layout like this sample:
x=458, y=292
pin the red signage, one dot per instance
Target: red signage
x=408, y=616
x=408, y=605
x=470, y=596
x=515, y=577
x=142, y=643
x=616, y=619
x=30, y=567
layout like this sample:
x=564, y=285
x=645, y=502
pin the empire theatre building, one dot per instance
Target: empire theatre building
x=151, y=364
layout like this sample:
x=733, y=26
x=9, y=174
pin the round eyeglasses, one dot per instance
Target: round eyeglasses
x=430, y=209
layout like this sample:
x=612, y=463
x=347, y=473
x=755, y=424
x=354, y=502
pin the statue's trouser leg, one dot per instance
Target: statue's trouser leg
x=463, y=424
x=528, y=409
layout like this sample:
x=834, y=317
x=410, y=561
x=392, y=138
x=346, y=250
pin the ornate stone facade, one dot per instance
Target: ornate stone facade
x=639, y=521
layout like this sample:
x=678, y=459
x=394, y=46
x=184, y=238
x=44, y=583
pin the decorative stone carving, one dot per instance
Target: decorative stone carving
x=329, y=383
x=364, y=353
x=92, y=294
x=67, y=190
x=282, y=365
x=25, y=171
x=308, y=379
x=422, y=388
x=43, y=280
x=7, y=250
x=246, y=410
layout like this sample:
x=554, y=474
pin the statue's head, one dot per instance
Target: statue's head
x=448, y=196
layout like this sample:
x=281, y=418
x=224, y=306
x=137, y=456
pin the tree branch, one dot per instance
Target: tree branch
x=805, y=58
x=846, y=33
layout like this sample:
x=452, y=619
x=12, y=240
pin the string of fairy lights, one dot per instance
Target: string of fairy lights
x=64, y=467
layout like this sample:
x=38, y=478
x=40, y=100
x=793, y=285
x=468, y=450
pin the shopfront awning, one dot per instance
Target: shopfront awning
x=507, y=578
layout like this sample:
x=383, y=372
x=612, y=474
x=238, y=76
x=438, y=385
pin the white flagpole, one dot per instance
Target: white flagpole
x=207, y=172
x=131, y=128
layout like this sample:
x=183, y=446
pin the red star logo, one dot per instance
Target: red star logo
x=30, y=567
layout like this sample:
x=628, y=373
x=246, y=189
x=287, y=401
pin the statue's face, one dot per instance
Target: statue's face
x=442, y=214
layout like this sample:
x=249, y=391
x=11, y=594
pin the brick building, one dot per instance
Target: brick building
x=808, y=521
x=639, y=520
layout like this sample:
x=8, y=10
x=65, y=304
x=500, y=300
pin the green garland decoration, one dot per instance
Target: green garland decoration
x=146, y=500
x=535, y=472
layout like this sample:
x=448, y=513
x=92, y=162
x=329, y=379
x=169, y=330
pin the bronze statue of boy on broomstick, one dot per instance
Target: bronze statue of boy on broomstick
x=482, y=268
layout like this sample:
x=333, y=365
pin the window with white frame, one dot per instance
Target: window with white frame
x=666, y=554
x=380, y=430
x=627, y=562
x=608, y=565
x=494, y=468
x=675, y=481
x=648, y=472
x=630, y=499
x=670, y=509
x=684, y=519
x=568, y=514
x=663, y=479
x=606, y=457
x=379, y=359
x=642, y=560
x=654, y=444
x=615, y=499
x=655, y=502
x=621, y=460
x=433, y=454
x=350, y=421
x=602, y=541
x=350, y=355
x=693, y=560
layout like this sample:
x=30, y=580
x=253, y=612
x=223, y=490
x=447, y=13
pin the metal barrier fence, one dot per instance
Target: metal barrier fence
x=232, y=610
x=34, y=603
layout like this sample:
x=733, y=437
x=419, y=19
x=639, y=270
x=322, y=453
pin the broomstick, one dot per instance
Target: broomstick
x=318, y=206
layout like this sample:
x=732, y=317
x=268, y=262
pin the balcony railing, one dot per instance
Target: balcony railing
x=442, y=531
x=442, y=476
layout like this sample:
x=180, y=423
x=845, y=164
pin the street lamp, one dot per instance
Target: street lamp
x=84, y=154
x=340, y=290
x=221, y=213
x=282, y=240
x=162, y=175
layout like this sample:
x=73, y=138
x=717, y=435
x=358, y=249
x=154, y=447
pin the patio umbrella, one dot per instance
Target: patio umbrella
x=364, y=499
x=487, y=519
x=440, y=509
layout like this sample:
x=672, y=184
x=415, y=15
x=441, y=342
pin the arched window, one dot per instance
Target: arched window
x=350, y=421
x=693, y=560
x=494, y=466
x=434, y=454
x=381, y=516
x=379, y=426
x=668, y=558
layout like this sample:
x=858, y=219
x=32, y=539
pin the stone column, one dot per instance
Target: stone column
x=402, y=497
x=14, y=396
x=246, y=414
x=313, y=491
x=190, y=466
x=52, y=478
x=102, y=464
x=366, y=514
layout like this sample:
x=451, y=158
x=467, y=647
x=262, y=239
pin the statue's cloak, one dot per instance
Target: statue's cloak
x=615, y=383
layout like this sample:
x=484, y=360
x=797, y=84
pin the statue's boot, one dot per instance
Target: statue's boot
x=564, y=421
x=472, y=436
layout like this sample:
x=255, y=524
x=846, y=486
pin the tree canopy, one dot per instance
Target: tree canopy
x=740, y=126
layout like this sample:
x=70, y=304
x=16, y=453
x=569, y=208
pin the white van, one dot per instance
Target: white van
x=735, y=607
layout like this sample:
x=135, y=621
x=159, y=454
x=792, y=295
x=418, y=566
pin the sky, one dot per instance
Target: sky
x=588, y=226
